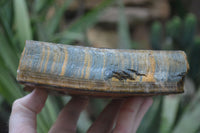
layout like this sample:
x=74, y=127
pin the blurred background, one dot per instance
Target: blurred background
x=127, y=24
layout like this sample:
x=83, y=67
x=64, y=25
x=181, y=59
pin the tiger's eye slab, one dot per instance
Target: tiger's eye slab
x=78, y=70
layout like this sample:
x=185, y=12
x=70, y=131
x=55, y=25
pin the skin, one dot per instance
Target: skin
x=125, y=114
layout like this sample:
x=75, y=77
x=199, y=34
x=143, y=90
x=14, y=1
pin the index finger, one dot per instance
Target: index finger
x=24, y=111
x=131, y=113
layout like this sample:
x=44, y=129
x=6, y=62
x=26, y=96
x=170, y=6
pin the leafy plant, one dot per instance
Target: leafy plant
x=18, y=23
x=21, y=20
x=174, y=118
x=182, y=31
x=156, y=36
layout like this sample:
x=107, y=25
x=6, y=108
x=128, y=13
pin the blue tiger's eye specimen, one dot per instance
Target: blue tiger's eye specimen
x=66, y=69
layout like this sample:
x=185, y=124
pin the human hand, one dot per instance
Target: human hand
x=125, y=114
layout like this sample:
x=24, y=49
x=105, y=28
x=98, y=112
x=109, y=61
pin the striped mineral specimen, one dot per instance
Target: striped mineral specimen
x=78, y=70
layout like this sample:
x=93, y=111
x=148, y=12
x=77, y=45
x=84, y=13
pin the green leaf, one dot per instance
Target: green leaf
x=84, y=22
x=123, y=29
x=2, y=2
x=9, y=88
x=174, y=28
x=84, y=122
x=189, y=30
x=22, y=21
x=151, y=118
x=48, y=115
x=156, y=36
x=6, y=13
x=55, y=20
x=169, y=112
x=41, y=5
x=189, y=122
x=90, y=18
x=52, y=108
x=43, y=126
x=4, y=92
x=6, y=22
x=8, y=55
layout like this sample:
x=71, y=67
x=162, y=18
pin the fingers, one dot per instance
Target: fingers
x=141, y=112
x=24, y=111
x=68, y=117
x=105, y=121
x=127, y=114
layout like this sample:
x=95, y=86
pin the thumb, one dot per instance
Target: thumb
x=24, y=111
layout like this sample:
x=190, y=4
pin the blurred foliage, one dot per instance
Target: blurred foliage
x=156, y=36
x=178, y=7
x=21, y=20
x=180, y=34
x=182, y=31
x=123, y=29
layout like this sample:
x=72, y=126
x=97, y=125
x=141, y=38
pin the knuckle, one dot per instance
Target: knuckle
x=128, y=109
x=16, y=105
